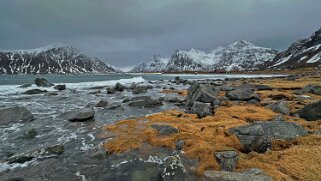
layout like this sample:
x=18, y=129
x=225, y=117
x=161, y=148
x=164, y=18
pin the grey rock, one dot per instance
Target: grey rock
x=311, y=112
x=42, y=82
x=202, y=109
x=249, y=175
x=32, y=133
x=119, y=87
x=80, y=115
x=15, y=114
x=280, y=107
x=165, y=130
x=95, y=92
x=102, y=103
x=174, y=170
x=242, y=95
x=115, y=105
x=34, y=91
x=111, y=90
x=174, y=98
x=145, y=102
x=255, y=87
x=202, y=93
x=180, y=144
x=25, y=86
x=258, y=136
x=27, y=156
x=138, y=89
x=227, y=160
x=311, y=88
x=60, y=87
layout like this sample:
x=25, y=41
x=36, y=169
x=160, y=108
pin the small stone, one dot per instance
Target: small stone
x=102, y=103
x=227, y=160
x=60, y=87
x=180, y=144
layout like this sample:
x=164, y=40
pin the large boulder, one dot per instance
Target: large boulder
x=145, y=101
x=34, y=91
x=242, y=95
x=202, y=109
x=311, y=112
x=202, y=93
x=248, y=175
x=80, y=115
x=42, y=82
x=138, y=89
x=280, y=107
x=174, y=170
x=311, y=88
x=258, y=136
x=14, y=114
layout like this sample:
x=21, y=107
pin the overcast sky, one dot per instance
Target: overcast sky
x=125, y=32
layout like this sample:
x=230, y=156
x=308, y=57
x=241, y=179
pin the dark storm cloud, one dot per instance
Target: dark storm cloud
x=124, y=32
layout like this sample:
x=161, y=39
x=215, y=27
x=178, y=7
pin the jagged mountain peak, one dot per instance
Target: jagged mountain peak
x=241, y=43
x=51, y=59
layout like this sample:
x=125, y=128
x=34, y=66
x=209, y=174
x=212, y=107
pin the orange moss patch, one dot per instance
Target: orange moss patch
x=247, y=113
x=179, y=92
x=203, y=137
x=266, y=94
x=300, y=162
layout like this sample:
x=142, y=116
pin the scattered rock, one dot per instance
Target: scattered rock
x=80, y=115
x=258, y=136
x=119, y=87
x=164, y=130
x=34, y=91
x=280, y=107
x=115, y=105
x=174, y=98
x=111, y=90
x=201, y=93
x=95, y=92
x=227, y=160
x=311, y=88
x=145, y=101
x=25, y=86
x=174, y=170
x=98, y=153
x=15, y=114
x=249, y=175
x=254, y=87
x=47, y=152
x=60, y=87
x=138, y=89
x=202, y=109
x=311, y=112
x=102, y=103
x=51, y=94
x=32, y=133
x=180, y=144
x=42, y=82
x=242, y=95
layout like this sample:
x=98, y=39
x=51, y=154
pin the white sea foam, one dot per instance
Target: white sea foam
x=14, y=89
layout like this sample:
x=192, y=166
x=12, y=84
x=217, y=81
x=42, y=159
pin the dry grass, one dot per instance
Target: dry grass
x=296, y=160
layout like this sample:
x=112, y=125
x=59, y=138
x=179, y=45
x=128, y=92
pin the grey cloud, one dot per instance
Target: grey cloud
x=125, y=32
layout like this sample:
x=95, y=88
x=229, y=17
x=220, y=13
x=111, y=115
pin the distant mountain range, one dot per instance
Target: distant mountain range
x=303, y=53
x=238, y=56
x=52, y=59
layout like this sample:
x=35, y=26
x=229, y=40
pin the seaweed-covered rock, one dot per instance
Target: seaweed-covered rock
x=242, y=95
x=164, y=130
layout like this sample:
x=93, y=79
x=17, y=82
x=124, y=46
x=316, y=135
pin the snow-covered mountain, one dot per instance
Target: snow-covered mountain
x=303, y=53
x=52, y=59
x=156, y=64
x=241, y=55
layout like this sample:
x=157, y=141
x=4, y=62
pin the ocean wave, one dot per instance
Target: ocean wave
x=14, y=89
